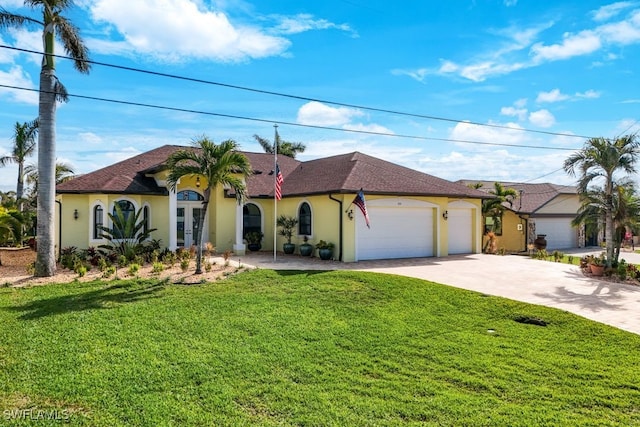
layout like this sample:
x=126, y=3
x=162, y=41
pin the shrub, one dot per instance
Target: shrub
x=557, y=256
x=80, y=269
x=621, y=270
x=158, y=267
x=207, y=266
x=541, y=254
x=109, y=271
x=184, y=264
x=170, y=258
x=133, y=269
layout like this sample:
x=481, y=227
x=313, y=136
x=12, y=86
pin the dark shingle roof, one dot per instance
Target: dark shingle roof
x=533, y=196
x=346, y=173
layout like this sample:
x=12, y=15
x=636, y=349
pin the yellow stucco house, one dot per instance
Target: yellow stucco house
x=412, y=214
x=540, y=209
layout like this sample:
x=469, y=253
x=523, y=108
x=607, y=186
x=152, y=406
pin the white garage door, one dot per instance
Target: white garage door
x=460, y=231
x=560, y=233
x=400, y=228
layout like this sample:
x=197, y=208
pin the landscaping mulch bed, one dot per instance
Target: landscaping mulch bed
x=16, y=273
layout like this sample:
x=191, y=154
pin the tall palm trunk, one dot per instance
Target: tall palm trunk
x=205, y=207
x=46, y=260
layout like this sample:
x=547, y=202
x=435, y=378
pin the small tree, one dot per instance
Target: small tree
x=287, y=224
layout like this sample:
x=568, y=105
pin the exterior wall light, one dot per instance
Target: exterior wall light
x=350, y=214
x=445, y=215
x=75, y=214
x=197, y=182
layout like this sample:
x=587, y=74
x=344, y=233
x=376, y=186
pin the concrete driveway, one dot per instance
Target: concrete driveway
x=516, y=277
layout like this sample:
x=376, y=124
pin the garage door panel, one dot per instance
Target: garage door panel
x=460, y=231
x=559, y=232
x=396, y=232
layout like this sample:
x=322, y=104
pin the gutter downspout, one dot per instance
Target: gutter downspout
x=341, y=231
x=59, y=226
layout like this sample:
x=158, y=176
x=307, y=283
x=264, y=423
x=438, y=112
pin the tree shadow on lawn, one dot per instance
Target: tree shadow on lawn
x=104, y=298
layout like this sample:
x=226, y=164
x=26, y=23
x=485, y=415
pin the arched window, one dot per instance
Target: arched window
x=98, y=221
x=190, y=196
x=127, y=209
x=304, y=219
x=251, y=219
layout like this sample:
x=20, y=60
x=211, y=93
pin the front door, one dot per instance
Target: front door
x=187, y=224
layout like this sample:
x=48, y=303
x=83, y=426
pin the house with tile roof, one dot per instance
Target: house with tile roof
x=412, y=214
x=540, y=209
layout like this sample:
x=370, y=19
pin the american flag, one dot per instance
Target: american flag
x=359, y=202
x=279, y=181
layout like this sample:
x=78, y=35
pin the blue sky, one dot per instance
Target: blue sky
x=564, y=70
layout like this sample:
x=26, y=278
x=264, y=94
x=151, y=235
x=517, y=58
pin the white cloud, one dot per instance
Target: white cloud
x=624, y=32
x=177, y=28
x=16, y=76
x=521, y=113
x=551, y=96
x=520, y=103
x=368, y=128
x=418, y=74
x=318, y=114
x=510, y=2
x=542, y=118
x=611, y=10
x=555, y=95
x=583, y=43
x=589, y=94
x=306, y=22
x=90, y=138
x=509, y=134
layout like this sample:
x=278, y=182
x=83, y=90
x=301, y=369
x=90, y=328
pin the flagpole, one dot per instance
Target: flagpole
x=275, y=197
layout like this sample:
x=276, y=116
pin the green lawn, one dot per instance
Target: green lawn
x=305, y=348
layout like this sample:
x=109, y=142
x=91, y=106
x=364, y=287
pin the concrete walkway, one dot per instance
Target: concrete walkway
x=515, y=277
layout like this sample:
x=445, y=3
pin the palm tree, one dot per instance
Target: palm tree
x=289, y=149
x=54, y=26
x=64, y=172
x=217, y=164
x=24, y=144
x=494, y=208
x=598, y=164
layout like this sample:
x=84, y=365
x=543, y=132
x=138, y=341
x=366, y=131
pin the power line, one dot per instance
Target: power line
x=302, y=98
x=270, y=121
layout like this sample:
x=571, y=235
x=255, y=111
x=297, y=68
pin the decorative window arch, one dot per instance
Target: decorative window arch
x=127, y=207
x=251, y=218
x=189, y=196
x=304, y=219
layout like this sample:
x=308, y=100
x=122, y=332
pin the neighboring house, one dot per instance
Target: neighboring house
x=539, y=209
x=412, y=214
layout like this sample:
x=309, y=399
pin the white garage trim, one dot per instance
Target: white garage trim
x=400, y=228
x=559, y=232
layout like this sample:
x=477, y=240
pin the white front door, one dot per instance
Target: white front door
x=188, y=215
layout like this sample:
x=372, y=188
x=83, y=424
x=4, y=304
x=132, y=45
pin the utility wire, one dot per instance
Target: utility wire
x=270, y=121
x=301, y=98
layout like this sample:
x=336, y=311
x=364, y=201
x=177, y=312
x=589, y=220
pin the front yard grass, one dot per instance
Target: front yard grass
x=305, y=348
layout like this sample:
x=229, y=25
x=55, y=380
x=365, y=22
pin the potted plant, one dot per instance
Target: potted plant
x=305, y=248
x=597, y=265
x=287, y=224
x=254, y=240
x=325, y=249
